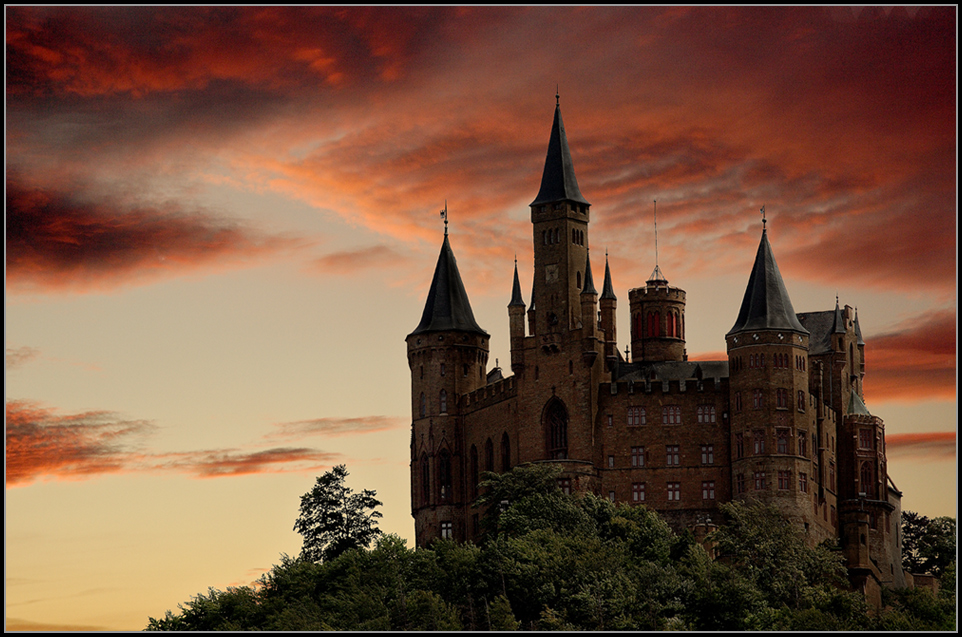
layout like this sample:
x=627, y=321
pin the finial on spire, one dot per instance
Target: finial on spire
x=763, y=217
x=656, y=233
x=557, y=95
x=444, y=215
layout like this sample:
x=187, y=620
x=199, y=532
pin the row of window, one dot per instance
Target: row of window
x=781, y=399
x=757, y=361
x=639, y=456
x=670, y=415
x=760, y=480
x=639, y=491
x=783, y=437
x=649, y=325
x=442, y=469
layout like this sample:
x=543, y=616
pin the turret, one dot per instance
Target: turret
x=447, y=355
x=657, y=320
x=516, y=320
x=608, y=305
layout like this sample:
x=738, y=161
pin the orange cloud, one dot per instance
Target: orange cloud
x=221, y=463
x=20, y=356
x=915, y=361
x=933, y=445
x=335, y=426
x=59, y=242
x=41, y=443
x=349, y=262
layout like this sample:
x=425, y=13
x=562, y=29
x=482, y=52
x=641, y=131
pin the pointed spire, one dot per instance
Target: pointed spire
x=447, y=307
x=838, y=325
x=766, y=305
x=607, y=291
x=516, y=299
x=558, y=181
x=858, y=330
x=589, y=286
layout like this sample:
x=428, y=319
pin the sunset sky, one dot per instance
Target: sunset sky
x=222, y=223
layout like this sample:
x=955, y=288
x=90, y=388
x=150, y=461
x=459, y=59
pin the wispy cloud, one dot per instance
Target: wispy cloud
x=933, y=445
x=45, y=444
x=59, y=242
x=914, y=361
x=20, y=356
x=348, y=262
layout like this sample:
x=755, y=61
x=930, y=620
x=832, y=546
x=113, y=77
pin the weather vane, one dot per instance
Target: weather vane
x=444, y=215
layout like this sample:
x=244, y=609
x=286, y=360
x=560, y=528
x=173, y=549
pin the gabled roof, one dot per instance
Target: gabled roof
x=447, y=307
x=766, y=305
x=820, y=326
x=558, y=181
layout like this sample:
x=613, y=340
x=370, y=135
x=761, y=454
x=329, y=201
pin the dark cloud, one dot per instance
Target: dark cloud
x=60, y=242
x=929, y=446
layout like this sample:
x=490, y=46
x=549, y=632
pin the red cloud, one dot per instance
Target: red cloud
x=41, y=443
x=57, y=242
x=916, y=361
x=935, y=445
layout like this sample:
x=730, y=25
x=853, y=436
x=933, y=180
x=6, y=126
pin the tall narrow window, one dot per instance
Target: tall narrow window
x=758, y=442
x=444, y=475
x=708, y=454
x=784, y=480
x=475, y=476
x=739, y=445
x=443, y=400
x=674, y=491
x=866, y=481
x=637, y=456
x=447, y=530
x=556, y=429
x=781, y=440
x=425, y=480
x=638, y=492
x=489, y=455
x=673, y=455
x=708, y=490
x=505, y=453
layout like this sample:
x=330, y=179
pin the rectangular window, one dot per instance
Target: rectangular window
x=565, y=485
x=610, y=420
x=637, y=456
x=671, y=415
x=738, y=401
x=758, y=399
x=739, y=446
x=611, y=462
x=708, y=490
x=784, y=480
x=781, y=398
x=447, y=531
x=673, y=455
x=781, y=440
x=758, y=442
x=760, y=483
x=802, y=446
x=611, y=496
x=708, y=454
x=674, y=491
x=706, y=414
x=831, y=475
x=803, y=482
x=638, y=492
x=801, y=401
x=740, y=483
x=864, y=438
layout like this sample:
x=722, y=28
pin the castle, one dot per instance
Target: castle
x=781, y=421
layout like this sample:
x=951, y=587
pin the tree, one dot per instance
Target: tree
x=333, y=519
x=928, y=546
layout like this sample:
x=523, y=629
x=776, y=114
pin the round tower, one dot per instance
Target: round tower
x=447, y=355
x=657, y=321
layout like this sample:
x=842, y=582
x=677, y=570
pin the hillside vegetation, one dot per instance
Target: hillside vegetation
x=551, y=561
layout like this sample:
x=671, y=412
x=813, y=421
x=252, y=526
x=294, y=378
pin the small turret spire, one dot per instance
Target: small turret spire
x=589, y=286
x=444, y=215
x=607, y=290
x=516, y=299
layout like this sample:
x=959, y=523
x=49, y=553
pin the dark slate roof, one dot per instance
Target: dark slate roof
x=607, y=291
x=838, y=322
x=766, y=305
x=672, y=370
x=820, y=326
x=558, y=181
x=858, y=330
x=447, y=307
x=589, y=286
x=516, y=289
x=857, y=406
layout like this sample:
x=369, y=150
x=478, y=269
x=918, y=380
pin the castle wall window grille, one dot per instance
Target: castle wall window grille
x=784, y=480
x=636, y=416
x=611, y=496
x=638, y=492
x=708, y=490
x=671, y=415
x=803, y=482
x=781, y=440
x=706, y=414
x=708, y=454
x=442, y=369
x=637, y=456
x=673, y=455
x=740, y=483
x=674, y=491
x=758, y=442
x=760, y=483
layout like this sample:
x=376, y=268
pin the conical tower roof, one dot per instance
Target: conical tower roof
x=589, y=286
x=766, y=305
x=607, y=290
x=516, y=299
x=447, y=307
x=558, y=181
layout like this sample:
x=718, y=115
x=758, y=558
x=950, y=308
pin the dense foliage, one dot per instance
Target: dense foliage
x=551, y=561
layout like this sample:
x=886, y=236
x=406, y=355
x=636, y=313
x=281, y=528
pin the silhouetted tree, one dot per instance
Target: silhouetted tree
x=333, y=519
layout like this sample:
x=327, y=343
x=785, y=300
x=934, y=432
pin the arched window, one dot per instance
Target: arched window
x=556, y=429
x=444, y=475
x=444, y=401
x=489, y=455
x=867, y=480
x=578, y=280
x=475, y=478
x=505, y=453
x=425, y=480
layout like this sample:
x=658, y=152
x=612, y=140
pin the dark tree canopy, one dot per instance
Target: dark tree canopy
x=334, y=519
x=928, y=546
